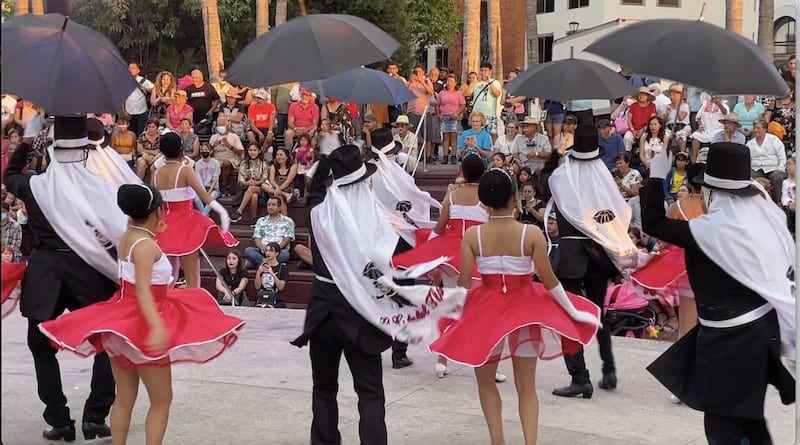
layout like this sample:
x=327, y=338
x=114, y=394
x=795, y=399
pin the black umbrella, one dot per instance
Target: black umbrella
x=311, y=47
x=570, y=79
x=362, y=86
x=63, y=66
x=693, y=52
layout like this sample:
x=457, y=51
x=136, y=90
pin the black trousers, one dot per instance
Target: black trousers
x=723, y=430
x=138, y=122
x=595, y=284
x=399, y=349
x=326, y=348
x=48, y=378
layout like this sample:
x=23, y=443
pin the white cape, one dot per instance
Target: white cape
x=588, y=197
x=357, y=243
x=81, y=207
x=407, y=207
x=748, y=238
x=109, y=166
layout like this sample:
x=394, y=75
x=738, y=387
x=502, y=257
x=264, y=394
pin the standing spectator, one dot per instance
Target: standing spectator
x=303, y=117
x=232, y=288
x=676, y=116
x=749, y=111
x=708, y=124
x=554, y=120
x=450, y=105
x=282, y=98
x=789, y=192
x=694, y=97
x=271, y=277
x=147, y=146
x=12, y=232
x=136, y=103
x=467, y=89
x=476, y=139
x=202, y=97
x=533, y=148
x=654, y=140
x=162, y=96
x=566, y=139
x=437, y=78
x=768, y=158
x=262, y=116
x=228, y=151
x=221, y=84
x=179, y=110
x=274, y=227
x=485, y=96
x=395, y=110
x=582, y=110
x=422, y=87
x=235, y=112
x=252, y=173
x=123, y=140
x=208, y=170
x=610, y=142
x=514, y=106
x=638, y=115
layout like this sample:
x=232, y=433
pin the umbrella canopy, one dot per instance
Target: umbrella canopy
x=362, y=86
x=693, y=52
x=311, y=47
x=63, y=66
x=570, y=79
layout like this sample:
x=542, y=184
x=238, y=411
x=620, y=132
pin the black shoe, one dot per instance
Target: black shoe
x=609, y=381
x=402, y=362
x=93, y=430
x=575, y=389
x=65, y=433
x=236, y=216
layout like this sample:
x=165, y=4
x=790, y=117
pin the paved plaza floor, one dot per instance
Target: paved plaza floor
x=259, y=392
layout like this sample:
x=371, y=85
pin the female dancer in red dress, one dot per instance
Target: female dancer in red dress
x=187, y=229
x=507, y=314
x=146, y=326
x=12, y=275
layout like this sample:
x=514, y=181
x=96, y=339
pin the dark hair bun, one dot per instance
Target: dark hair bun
x=495, y=189
x=170, y=144
x=138, y=200
x=472, y=167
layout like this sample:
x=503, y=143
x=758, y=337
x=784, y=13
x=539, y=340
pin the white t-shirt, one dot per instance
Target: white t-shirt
x=505, y=146
x=208, y=170
x=136, y=103
x=661, y=103
x=684, y=107
x=484, y=100
x=9, y=106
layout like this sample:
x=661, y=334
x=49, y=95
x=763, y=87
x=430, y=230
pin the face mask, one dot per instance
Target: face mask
x=204, y=154
x=221, y=130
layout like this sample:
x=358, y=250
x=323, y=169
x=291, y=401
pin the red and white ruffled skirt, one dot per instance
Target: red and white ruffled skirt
x=188, y=230
x=13, y=273
x=663, y=278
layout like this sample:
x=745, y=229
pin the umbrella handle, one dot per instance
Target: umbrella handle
x=416, y=138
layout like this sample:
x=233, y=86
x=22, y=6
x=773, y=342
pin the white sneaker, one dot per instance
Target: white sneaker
x=441, y=370
x=674, y=399
x=499, y=378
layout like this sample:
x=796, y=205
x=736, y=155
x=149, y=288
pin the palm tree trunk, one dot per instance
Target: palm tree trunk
x=213, y=38
x=471, y=36
x=495, y=39
x=766, y=27
x=262, y=17
x=531, y=33
x=37, y=7
x=280, y=12
x=21, y=7
x=733, y=16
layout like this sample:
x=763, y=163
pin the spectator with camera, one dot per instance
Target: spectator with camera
x=271, y=278
x=231, y=288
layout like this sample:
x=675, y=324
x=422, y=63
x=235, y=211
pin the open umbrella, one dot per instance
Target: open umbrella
x=362, y=86
x=311, y=47
x=63, y=66
x=569, y=79
x=693, y=52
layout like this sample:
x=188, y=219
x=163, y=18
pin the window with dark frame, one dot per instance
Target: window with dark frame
x=633, y=2
x=545, y=49
x=578, y=4
x=543, y=6
x=670, y=3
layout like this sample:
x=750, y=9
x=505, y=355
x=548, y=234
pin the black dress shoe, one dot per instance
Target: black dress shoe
x=575, y=389
x=93, y=430
x=609, y=381
x=65, y=433
x=402, y=362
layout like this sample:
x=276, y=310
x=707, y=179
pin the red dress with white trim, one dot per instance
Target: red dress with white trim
x=12, y=275
x=198, y=329
x=187, y=229
x=508, y=315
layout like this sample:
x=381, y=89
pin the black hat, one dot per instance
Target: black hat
x=346, y=162
x=95, y=131
x=728, y=169
x=383, y=140
x=138, y=200
x=585, y=147
x=70, y=132
x=695, y=173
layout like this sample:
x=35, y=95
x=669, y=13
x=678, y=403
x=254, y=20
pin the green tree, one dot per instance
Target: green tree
x=433, y=22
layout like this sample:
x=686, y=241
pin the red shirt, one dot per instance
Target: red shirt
x=304, y=117
x=261, y=116
x=641, y=115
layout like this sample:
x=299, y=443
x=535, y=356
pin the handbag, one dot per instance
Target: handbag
x=621, y=122
x=471, y=104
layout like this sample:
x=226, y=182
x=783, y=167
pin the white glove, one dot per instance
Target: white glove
x=432, y=235
x=560, y=295
x=224, y=219
x=661, y=164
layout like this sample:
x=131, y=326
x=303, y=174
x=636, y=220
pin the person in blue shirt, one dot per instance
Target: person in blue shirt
x=611, y=143
x=475, y=139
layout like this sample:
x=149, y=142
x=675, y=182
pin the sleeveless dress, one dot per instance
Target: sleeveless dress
x=664, y=277
x=187, y=229
x=12, y=274
x=508, y=315
x=198, y=329
x=448, y=244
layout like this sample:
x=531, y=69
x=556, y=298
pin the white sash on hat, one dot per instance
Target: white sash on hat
x=747, y=237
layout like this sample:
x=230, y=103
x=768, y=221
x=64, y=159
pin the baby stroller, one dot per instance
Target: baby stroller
x=626, y=312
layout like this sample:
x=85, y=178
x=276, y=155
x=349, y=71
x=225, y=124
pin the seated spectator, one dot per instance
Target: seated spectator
x=178, y=111
x=262, y=115
x=208, y=169
x=507, y=143
x=610, y=142
x=304, y=253
x=708, y=124
x=271, y=278
x=282, y=173
x=565, y=139
x=275, y=227
x=789, y=192
x=12, y=231
x=9, y=107
x=235, y=112
x=730, y=130
x=676, y=115
x=654, y=140
x=408, y=140
x=628, y=179
x=676, y=178
x=7, y=255
x=304, y=154
x=749, y=111
x=475, y=139
x=228, y=150
x=234, y=284
x=639, y=115
x=781, y=114
x=532, y=209
x=189, y=141
x=252, y=174
x=303, y=117
x=123, y=140
x=767, y=158
x=533, y=148
x=147, y=146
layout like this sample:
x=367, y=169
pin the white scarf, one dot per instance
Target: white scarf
x=587, y=196
x=81, y=207
x=394, y=188
x=351, y=232
x=109, y=166
x=747, y=237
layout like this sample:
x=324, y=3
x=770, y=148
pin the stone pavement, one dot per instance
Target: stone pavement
x=259, y=393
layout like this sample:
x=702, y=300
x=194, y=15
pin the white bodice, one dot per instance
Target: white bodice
x=176, y=194
x=505, y=264
x=162, y=269
x=468, y=212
